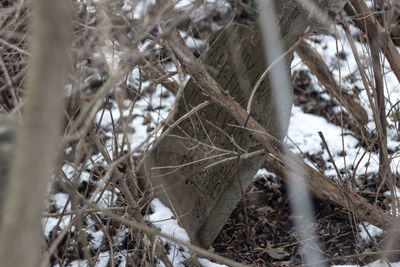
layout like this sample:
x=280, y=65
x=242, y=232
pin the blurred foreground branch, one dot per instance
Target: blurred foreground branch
x=21, y=236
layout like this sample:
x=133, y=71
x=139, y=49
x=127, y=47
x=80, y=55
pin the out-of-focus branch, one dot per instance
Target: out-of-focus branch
x=321, y=186
x=316, y=64
x=21, y=236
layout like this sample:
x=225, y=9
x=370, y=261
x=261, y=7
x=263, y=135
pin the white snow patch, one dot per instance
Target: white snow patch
x=207, y=263
x=79, y=263
x=221, y=6
x=303, y=131
x=68, y=170
x=50, y=223
x=85, y=176
x=107, y=199
x=96, y=235
x=120, y=258
x=102, y=261
x=396, y=192
x=68, y=150
x=97, y=238
x=263, y=173
x=141, y=7
x=163, y=218
x=372, y=230
x=193, y=43
x=381, y=263
x=378, y=263
x=61, y=200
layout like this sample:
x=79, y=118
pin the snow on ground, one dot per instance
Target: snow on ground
x=148, y=111
x=347, y=75
x=370, y=231
x=303, y=132
x=303, y=129
x=102, y=261
x=163, y=218
x=302, y=135
x=329, y=46
x=55, y=224
x=207, y=263
x=373, y=264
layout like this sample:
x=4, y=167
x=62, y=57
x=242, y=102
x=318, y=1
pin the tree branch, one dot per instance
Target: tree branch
x=321, y=186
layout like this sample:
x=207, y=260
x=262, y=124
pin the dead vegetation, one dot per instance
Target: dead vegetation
x=126, y=73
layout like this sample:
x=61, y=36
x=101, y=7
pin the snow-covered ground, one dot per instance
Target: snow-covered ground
x=302, y=138
x=303, y=134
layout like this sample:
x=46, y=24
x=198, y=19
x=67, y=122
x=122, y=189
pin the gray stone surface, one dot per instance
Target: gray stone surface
x=203, y=197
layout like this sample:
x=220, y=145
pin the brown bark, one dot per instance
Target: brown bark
x=319, y=184
x=316, y=64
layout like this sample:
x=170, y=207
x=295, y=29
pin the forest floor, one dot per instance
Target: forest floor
x=268, y=236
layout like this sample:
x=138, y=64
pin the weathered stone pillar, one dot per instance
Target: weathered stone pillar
x=200, y=173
